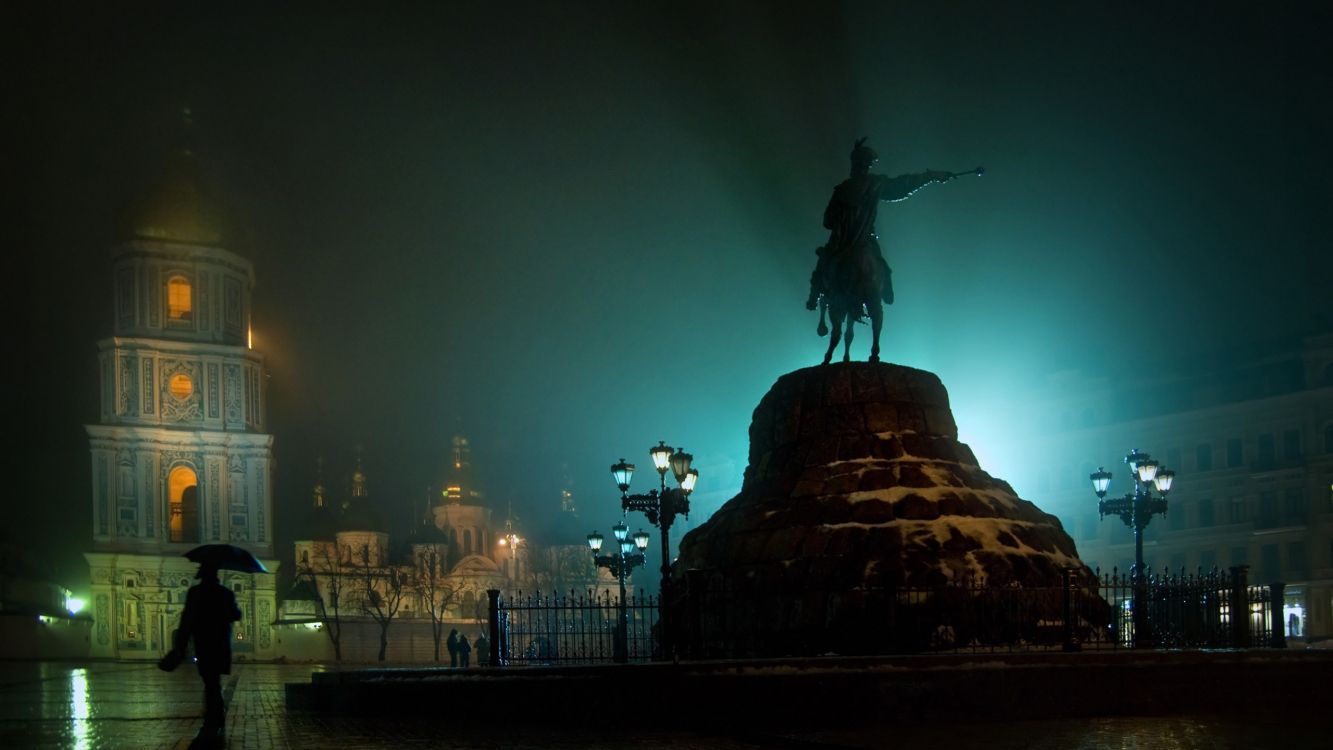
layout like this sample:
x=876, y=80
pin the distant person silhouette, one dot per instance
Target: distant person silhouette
x=483, y=651
x=464, y=651
x=210, y=609
x=452, y=644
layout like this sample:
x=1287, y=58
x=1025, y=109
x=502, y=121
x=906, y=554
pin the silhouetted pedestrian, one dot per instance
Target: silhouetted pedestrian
x=452, y=644
x=210, y=609
x=483, y=650
x=464, y=650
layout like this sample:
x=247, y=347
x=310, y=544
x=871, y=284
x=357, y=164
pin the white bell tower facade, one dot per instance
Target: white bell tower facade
x=180, y=456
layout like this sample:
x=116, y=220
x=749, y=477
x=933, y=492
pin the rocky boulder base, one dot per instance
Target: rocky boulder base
x=857, y=485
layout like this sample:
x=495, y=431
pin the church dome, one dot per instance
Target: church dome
x=177, y=208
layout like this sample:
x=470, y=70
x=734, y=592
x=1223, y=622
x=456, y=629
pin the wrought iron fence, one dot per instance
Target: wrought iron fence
x=573, y=628
x=1214, y=609
x=714, y=618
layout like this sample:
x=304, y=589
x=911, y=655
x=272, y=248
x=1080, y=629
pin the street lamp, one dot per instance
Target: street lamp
x=661, y=506
x=629, y=557
x=1136, y=509
x=512, y=541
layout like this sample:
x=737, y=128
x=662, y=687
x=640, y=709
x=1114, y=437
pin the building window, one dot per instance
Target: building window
x=1176, y=519
x=180, y=386
x=467, y=541
x=1270, y=564
x=1239, y=556
x=1291, y=445
x=1203, y=458
x=1234, y=454
x=305, y=557
x=1206, y=512
x=1296, y=560
x=1293, y=505
x=1267, y=458
x=180, y=302
x=1267, y=510
x=1237, y=511
x=1328, y=438
x=183, y=499
x=1174, y=460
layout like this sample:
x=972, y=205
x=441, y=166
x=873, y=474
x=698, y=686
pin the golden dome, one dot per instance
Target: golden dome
x=177, y=209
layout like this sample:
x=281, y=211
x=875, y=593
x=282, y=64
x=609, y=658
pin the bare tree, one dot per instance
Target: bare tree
x=435, y=592
x=381, y=606
x=326, y=574
x=562, y=569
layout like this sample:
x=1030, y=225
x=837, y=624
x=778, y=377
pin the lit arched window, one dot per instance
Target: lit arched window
x=180, y=302
x=183, y=496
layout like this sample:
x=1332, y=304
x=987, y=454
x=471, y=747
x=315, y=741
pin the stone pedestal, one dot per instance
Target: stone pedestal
x=857, y=491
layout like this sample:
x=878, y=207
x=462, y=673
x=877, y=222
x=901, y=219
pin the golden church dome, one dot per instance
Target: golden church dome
x=176, y=208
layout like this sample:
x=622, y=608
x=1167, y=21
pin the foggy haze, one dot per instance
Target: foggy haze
x=569, y=231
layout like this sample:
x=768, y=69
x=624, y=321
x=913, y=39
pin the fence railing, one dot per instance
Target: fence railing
x=714, y=618
x=572, y=627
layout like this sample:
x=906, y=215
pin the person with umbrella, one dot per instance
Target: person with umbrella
x=210, y=609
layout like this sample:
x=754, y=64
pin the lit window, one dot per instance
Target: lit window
x=180, y=386
x=180, y=304
x=183, y=497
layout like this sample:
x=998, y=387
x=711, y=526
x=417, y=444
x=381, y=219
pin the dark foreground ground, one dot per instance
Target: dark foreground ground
x=114, y=705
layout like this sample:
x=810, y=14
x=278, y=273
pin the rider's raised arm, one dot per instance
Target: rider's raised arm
x=904, y=185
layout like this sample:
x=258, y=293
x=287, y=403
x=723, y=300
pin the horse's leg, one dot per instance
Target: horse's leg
x=876, y=324
x=835, y=314
x=847, y=342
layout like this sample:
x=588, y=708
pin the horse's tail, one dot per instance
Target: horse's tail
x=822, y=330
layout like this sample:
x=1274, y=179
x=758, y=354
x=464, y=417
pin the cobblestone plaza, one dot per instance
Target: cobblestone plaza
x=119, y=705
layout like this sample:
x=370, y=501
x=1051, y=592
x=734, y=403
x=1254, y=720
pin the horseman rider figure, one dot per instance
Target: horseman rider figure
x=850, y=217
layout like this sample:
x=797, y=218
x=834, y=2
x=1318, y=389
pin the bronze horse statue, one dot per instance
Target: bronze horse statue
x=854, y=287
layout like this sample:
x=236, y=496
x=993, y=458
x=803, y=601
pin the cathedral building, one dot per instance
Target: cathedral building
x=180, y=455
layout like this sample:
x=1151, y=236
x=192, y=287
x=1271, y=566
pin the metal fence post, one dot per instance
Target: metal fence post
x=1067, y=579
x=1240, y=606
x=1277, y=593
x=493, y=607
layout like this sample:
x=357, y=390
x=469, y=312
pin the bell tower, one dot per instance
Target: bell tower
x=180, y=456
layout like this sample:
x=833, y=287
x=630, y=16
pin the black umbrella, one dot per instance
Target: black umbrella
x=226, y=557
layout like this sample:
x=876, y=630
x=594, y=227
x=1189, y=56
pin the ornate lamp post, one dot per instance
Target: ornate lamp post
x=661, y=506
x=1136, y=509
x=511, y=541
x=620, y=564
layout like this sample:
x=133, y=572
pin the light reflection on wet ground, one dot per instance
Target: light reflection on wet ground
x=105, y=705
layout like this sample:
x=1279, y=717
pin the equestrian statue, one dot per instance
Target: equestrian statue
x=851, y=278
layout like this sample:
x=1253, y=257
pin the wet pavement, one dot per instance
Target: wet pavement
x=135, y=706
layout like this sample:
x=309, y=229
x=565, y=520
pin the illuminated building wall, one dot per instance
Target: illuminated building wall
x=1251, y=440
x=179, y=454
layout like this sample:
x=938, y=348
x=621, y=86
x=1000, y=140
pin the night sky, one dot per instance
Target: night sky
x=569, y=230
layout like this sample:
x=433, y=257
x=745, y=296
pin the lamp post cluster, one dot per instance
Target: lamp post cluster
x=661, y=506
x=511, y=541
x=1136, y=509
x=620, y=564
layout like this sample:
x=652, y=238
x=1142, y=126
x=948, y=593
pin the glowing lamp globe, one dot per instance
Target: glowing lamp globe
x=691, y=478
x=621, y=531
x=1133, y=459
x=1148, y=470
x=641, y=539
x=680, y=465
x=1163, y=480
x=1101, y=481
x=595, y=540
x=621, y=472
x=661, y=454
x=626, y=546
